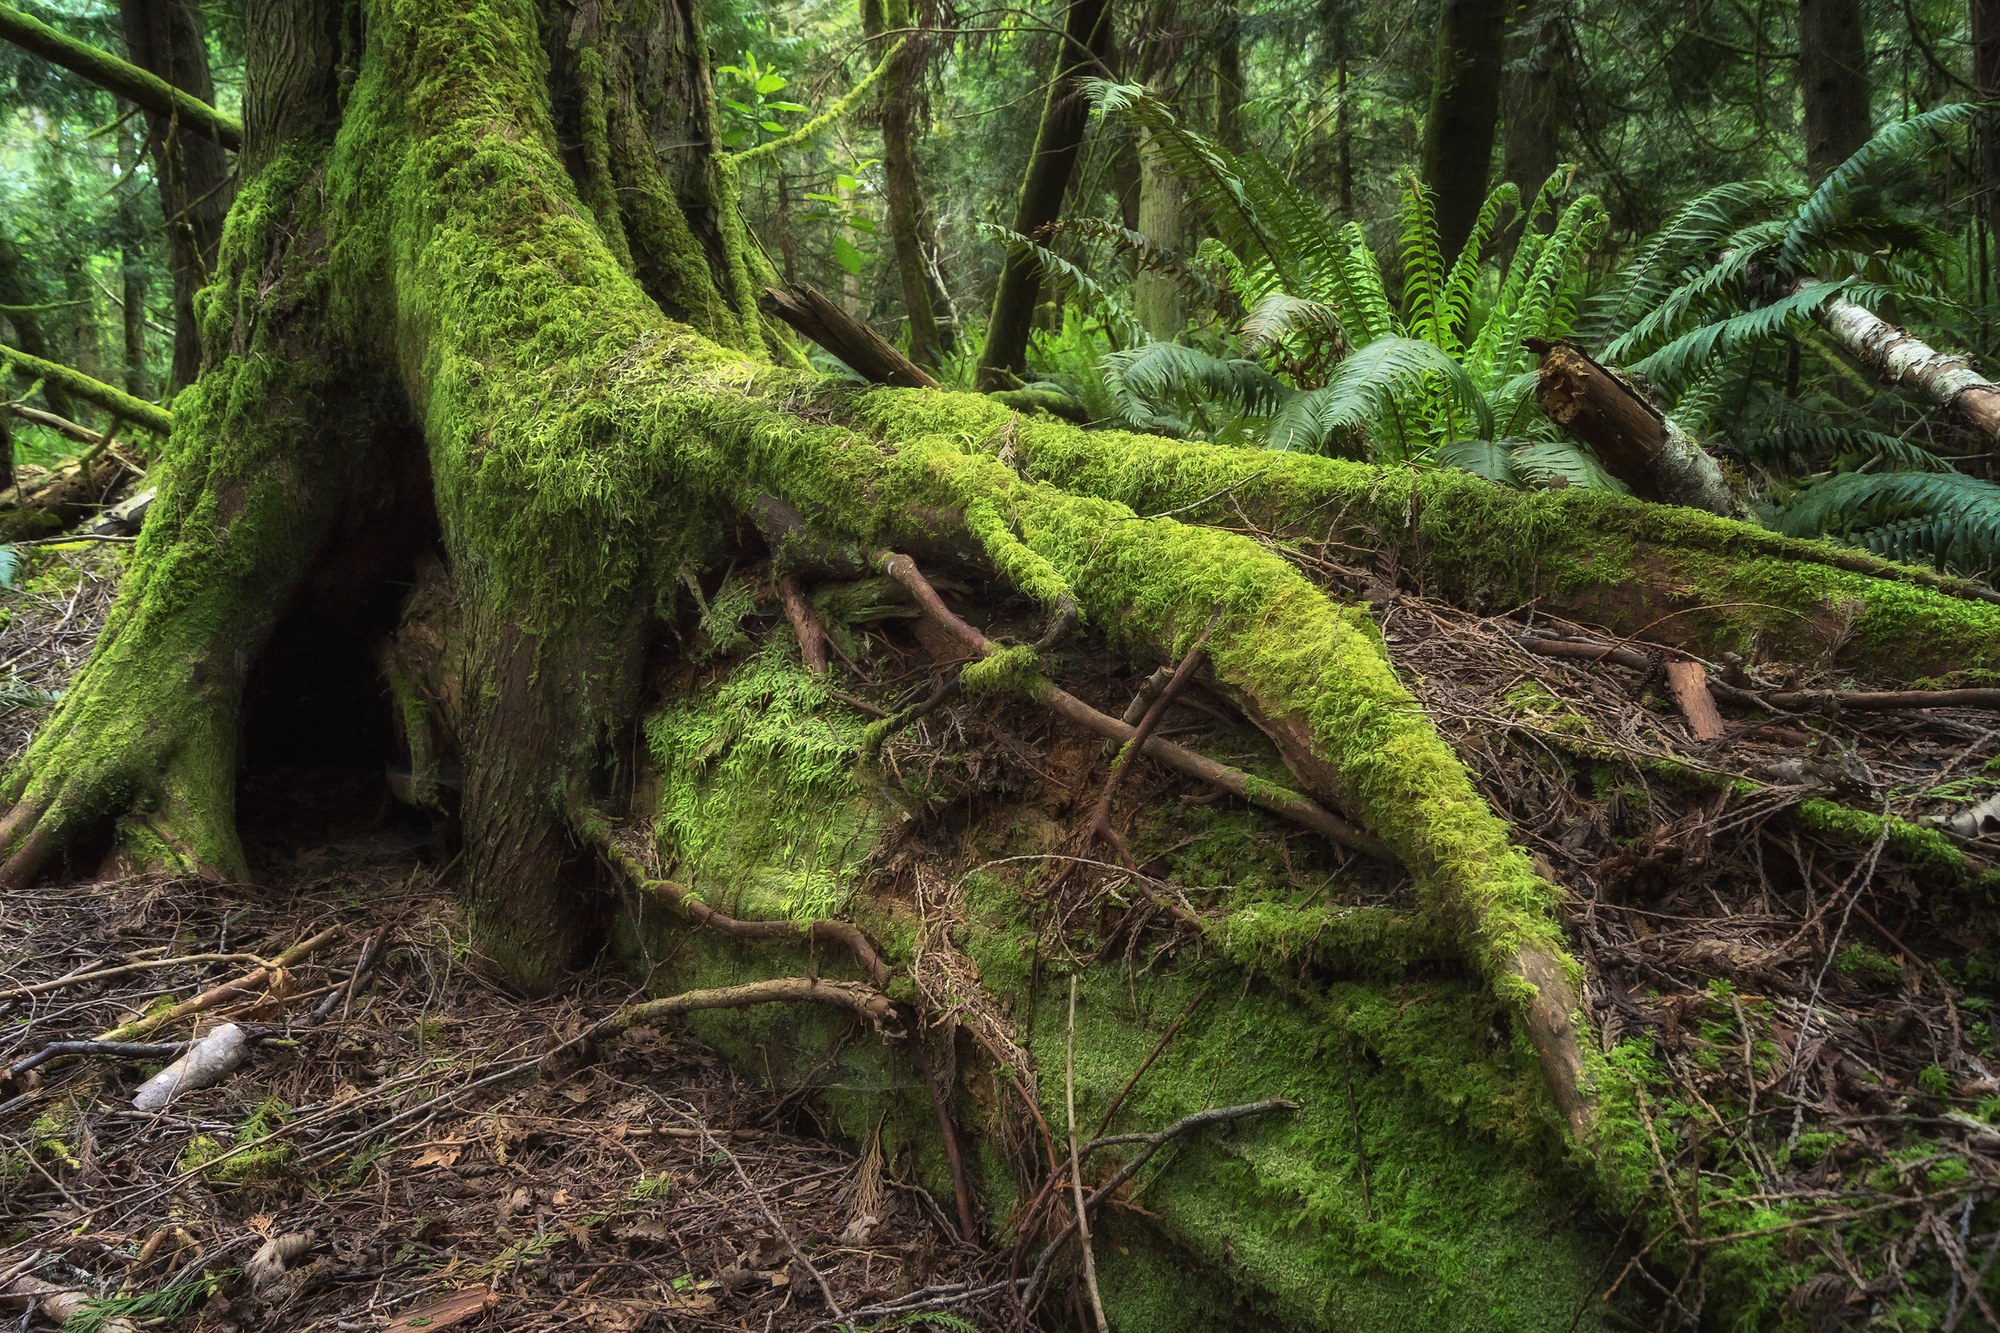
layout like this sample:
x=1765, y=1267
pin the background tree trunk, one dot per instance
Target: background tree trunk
x=1833, y=82
x=1985, y=27
x=1058, y=141
x=910, y=226
x=132, y=283
x=1156, y=294
x=1229, y=77
x=1464, y=113
x=1535, y=44
x=165, y=37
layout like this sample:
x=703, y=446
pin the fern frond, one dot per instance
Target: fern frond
x=1392, y=387
x=1694, y=231
x=1945, y=517
x=1211, y=173
x=1848, y=449
x=1555, y=464
x=1807, y=228
x=1148, y=381
x=1455, y=300
x=1060, y=272
x=1279, y=316
x=1491, y=459
x=1672, y=364
x=1423, y=263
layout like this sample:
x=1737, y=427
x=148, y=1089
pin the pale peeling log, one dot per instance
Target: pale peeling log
x=1902, y=359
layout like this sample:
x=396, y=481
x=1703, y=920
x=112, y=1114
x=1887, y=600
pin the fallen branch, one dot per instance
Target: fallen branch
x=1634, y=440
x=60, y=425
x=864, y=1001
x=596, y=829
x=113, y=400
x=1280, y=801
x=1150, y=1144
x=1900, y=358
x=820, y=319
x=805, y=625
x=124, y=1050
x=124, y=969
x=228, y=990
x=1148, y=722
x=1860, y=701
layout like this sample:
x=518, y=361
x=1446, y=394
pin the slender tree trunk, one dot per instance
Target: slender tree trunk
x=1229, y=78
x=1984, y=18
x=1529, y=155
x=165, y=38
x=1833, y=82
x=86, y=332
x=1340, y=36
x=910, y=225
x=1058, y=141
x=1464, y=113
x=1156, y=294
x=132, y=274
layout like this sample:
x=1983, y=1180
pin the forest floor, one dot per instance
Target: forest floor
x=1816, y=992
x=444, y=1154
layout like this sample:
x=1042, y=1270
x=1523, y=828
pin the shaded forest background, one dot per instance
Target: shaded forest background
x=1659, y=159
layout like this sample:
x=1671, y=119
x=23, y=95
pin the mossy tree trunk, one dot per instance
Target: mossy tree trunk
x=486, y=279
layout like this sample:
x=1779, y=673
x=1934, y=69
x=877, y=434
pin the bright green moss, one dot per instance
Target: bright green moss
x=1014, y=670
x=760, y=812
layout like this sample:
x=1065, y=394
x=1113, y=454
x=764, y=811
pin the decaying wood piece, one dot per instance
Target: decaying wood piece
x=1899, y=358
x=1633, y=439
x=820, y=318
x=1689, y=683
x=59, y=1305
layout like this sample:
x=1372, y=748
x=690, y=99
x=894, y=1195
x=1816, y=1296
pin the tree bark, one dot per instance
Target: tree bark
x=1984, y=22
x=1229, y=78
x=1464, y=114
x=1902, y=359
x=132, y=292
x=164, y=37
x=1156, y=293
x=1529, y=154
x=1058, y=141
x=910, y=226
x=1833, y=82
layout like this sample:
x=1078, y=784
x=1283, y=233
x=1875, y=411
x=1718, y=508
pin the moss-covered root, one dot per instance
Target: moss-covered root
x=1656, y=572
x=1314, y=675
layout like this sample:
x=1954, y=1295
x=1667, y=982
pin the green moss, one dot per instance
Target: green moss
x=1014, y=670
x=760, y=811
x=236, y=1162
x=1865, y=963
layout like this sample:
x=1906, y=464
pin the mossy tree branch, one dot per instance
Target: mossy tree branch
x=135, y=85
x=113, y=400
